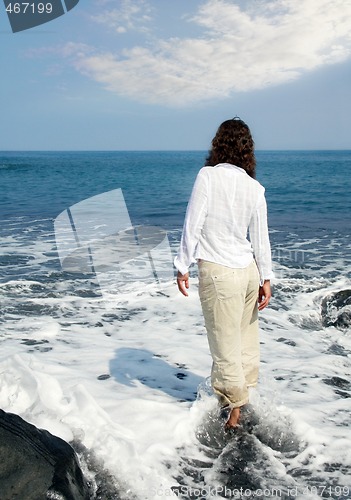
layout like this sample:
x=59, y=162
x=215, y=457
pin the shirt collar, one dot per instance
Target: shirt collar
x=230, y=165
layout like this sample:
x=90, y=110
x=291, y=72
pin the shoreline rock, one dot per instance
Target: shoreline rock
x=336, y=309
x=36, y=465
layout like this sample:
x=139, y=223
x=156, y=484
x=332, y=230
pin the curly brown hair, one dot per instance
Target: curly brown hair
x=233, y=144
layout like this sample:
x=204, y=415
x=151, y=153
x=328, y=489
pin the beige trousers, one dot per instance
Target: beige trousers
x=229, y=303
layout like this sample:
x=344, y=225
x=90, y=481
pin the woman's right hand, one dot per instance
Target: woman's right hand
x=183, y=283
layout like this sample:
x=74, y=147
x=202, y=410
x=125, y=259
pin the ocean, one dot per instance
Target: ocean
x=122, y=372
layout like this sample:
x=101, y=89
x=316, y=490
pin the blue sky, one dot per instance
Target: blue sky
x=163, y=74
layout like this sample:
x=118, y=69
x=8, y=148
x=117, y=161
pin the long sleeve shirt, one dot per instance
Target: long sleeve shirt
x=226, y=205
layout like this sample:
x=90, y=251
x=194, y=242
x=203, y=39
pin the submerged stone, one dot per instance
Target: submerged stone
x=336, y=309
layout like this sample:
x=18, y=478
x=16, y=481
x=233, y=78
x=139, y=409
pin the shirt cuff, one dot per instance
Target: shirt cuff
x=268, y=276
x=180, y=267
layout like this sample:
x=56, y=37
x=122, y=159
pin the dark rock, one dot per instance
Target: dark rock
x=339, y=382
x=336, y=309
x=341, y=386
x=34, y=464
x=287, y=341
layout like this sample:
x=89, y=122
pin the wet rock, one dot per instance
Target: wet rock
x=336, y=309
x=341, y=386
x=35, y=465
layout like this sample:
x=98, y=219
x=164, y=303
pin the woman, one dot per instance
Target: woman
x=234, y=272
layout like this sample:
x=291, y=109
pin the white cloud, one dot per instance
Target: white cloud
x=131, y=15
x=267, y=43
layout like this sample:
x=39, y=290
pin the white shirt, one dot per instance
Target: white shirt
x=225, y=204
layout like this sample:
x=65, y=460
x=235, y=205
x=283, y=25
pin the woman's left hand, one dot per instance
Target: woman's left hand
x=264, y=295
x=183, y=283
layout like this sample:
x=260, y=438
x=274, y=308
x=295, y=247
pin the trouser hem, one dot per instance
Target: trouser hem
x=226, y=403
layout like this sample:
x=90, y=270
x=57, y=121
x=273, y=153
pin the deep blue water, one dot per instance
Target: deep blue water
x=303, y=188
x=155, y=185
x=307, y=188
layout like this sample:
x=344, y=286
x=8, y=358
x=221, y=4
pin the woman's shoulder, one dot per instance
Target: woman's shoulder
x=258, y=189
x=222, y=170
x=258, y=185
x=204, y=171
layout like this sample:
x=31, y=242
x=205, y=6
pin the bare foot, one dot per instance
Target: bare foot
x=233, y=420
